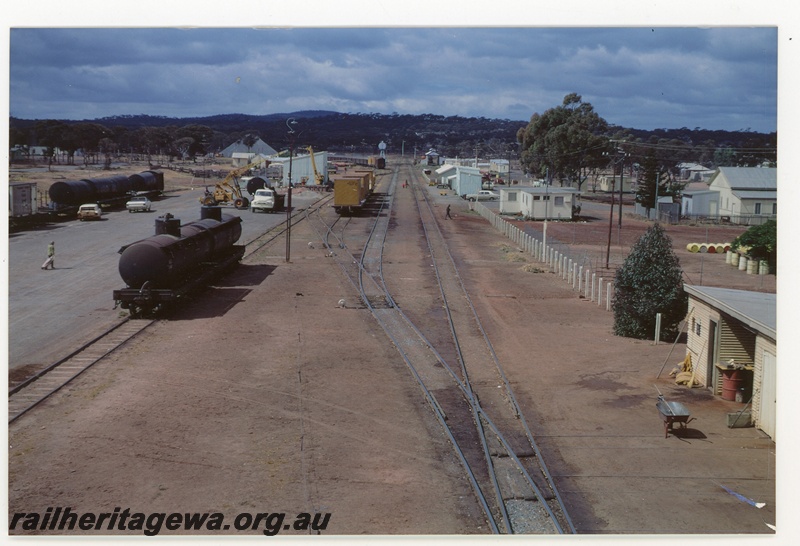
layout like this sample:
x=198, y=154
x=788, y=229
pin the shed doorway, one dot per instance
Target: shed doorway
x=766, y=414
x=712, y=372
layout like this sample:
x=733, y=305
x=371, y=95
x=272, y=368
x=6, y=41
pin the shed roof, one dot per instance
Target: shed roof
x=749, y=194
x=755, y=309
x=539, y=189
x=691, y=193
x=750, y=178
x=259, y=147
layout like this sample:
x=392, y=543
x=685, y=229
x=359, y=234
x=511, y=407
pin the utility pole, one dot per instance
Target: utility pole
x=610, y=225
x=658, y=181
x=621, y=174
x=546, y=201
x=289, y=123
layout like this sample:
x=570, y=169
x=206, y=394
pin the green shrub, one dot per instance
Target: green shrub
x=649, y=282
x=760, y=242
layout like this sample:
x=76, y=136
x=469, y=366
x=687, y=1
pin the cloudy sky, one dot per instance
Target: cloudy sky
x=646, y=77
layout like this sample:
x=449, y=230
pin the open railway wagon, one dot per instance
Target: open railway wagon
x=178, y=259
x=67, y=195
x=351, y=190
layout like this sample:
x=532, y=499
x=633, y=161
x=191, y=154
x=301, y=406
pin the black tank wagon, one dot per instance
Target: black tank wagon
x=67, y=195
x=151, y=182
x=176, y=260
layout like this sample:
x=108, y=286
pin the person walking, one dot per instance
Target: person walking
x=447, y=213
x=51, y=256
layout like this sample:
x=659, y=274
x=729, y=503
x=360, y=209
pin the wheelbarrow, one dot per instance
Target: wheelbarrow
x=671, y=413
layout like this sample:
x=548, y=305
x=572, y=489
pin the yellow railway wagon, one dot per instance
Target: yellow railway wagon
x=370, y=175
x=349, y=192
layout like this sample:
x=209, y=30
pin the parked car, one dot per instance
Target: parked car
x=482, y=195
x=138, y=204
x=89, y=211
x=267, y=200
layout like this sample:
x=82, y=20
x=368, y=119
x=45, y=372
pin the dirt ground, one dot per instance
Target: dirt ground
x=267, y=396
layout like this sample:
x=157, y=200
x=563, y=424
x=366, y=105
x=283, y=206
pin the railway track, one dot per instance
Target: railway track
x=34, y=390
x=527, y=491
x=495, y=448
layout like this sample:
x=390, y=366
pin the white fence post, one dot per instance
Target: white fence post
x=658, y=329
x=594, y=278
x=608, y=296
x=586, y=284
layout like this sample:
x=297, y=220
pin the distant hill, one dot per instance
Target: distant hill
x=361, y=133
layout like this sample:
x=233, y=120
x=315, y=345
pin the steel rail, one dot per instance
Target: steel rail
x=61, y=383
x=437, y=410
x=467, y=384
x=282, y=227
x=507, y=385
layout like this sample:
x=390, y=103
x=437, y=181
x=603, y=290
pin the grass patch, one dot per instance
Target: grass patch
x=512, y=253
x=530, y=268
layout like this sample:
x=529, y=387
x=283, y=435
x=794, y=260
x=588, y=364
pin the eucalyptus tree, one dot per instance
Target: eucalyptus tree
x=201, y=136
x=88, y=137
x=249, y=140
x=565, y=142
x=49, y=134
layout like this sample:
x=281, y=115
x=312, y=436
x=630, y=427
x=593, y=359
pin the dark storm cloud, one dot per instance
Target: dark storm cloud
x=638, y=77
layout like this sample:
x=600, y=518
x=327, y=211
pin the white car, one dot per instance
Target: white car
x=138, y=204
x=482, y=195
x=89, y=211
x=267, y=200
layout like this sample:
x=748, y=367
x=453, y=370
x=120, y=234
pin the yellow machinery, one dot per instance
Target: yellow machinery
x=228, y=190
x=318, y=178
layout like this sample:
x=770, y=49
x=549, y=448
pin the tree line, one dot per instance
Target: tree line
x=566, y=144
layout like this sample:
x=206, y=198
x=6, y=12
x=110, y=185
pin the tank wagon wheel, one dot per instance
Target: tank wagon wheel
x=209, y=201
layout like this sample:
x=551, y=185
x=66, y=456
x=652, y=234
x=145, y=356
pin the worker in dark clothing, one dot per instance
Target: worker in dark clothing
x=51, y=256
x=447, y=213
